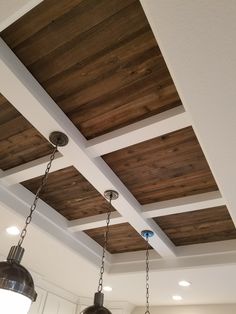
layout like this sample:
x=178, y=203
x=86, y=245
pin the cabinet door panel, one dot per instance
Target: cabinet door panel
x=57, y=305
x=37, y=306
x=67, y=307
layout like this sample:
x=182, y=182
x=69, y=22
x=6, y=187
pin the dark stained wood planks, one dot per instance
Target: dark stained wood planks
x=69, y=193
x=105, y=72
x=202, y=226
x=19, y=141
x=167, y=167
x=122, y=238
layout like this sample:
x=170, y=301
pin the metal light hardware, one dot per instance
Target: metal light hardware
x=17, y=290
x=97, y=307
x=147, y=234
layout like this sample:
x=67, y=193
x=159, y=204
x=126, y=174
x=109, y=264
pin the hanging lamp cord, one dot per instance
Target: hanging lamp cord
x=147, y=276
x=100, y=282
x=36, y=198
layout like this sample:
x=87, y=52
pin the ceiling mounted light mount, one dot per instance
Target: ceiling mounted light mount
x=97, y=307
x=17, y=290
x=58, y=139
x=147, y=234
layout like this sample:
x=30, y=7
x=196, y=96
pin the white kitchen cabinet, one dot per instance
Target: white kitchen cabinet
x=38, y=305
x=57, y=305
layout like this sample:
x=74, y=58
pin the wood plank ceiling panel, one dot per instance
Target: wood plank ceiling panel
x=201, y=226
x=19, y=141
x=163, y=168
x=69, y=193
x=122, y=238
x=97, y=59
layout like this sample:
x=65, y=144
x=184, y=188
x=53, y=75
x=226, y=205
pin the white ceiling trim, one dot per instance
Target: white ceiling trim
x=36, y=105
x=183, y=204
x=175, y=264
x=164, y=208
x=160, y=124
x=95, y=221
x=33, y=169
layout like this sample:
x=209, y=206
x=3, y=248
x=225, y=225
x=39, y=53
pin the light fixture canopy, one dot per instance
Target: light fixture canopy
x=17, y=290
x=97, y=307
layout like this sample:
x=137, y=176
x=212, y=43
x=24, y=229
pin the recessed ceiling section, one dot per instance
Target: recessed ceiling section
x=104, y=72
x=122, y=238
x=167, y=167
x=201, y=226
x=70, y=194
x=19, y=141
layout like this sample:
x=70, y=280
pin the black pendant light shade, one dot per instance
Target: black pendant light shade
x=15, y=277
x=97, y=307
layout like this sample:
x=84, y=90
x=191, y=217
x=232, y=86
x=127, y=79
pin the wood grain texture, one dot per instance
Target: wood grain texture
x=122, y=238
x=163, y=168
x=105, y=72
x=69, y=193
x=201, y=226
x=19, y=141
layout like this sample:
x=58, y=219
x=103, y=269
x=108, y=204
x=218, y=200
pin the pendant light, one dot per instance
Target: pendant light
x=97, y=307
x=17, y=290
x=147, y=234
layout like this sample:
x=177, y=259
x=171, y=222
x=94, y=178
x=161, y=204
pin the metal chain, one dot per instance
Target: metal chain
x=100, y=282
x=34, y=205
x=147, y=277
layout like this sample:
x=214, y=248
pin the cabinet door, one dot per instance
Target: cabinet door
x=67, y=307
x=57, y=305
x=37, y=306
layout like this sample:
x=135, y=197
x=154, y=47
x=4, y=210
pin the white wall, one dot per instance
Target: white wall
x=190, y=309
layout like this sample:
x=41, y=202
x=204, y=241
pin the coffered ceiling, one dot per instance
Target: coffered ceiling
x=102, y=79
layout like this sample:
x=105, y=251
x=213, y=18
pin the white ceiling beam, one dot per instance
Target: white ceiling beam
x=95, y=221
x=19, y=199
x=204, y=74
x=32, y=101
x=183, y=204
x=33, y=169
x=188, y=256
x=10, y=11
x=160, y=124
x=209, y=248
x=164, y=208
x=175, y=264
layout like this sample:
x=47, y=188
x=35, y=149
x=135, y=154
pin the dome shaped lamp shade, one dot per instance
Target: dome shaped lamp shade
x=17, y=290
x=97, y=307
